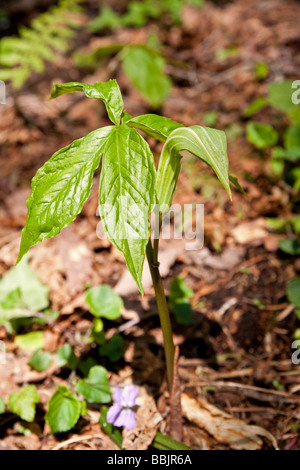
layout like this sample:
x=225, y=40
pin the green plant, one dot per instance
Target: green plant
x=285, y=157
x=64, y=410
x=130, y=186
x=139, y=13
x=23, y=403
x=48, y=34
x=179, y=300
x=143, y=65
x=40, y=360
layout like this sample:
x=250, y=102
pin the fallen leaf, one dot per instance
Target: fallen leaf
x=223, y=427
x=250, y=232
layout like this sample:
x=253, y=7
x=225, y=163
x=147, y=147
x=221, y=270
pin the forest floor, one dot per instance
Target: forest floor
x=235, y=360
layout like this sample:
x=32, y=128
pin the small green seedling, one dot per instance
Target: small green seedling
x=130, y=186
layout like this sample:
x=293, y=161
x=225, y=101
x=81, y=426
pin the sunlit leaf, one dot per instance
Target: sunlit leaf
x=126, y=194
x=159, y=127
x=60, y=187
x=23, y=403
x=209, y=145
x=64, y=410
x=103, y=302
x=108, y=92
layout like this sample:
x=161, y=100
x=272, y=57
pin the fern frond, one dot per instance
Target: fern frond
x=48, y=34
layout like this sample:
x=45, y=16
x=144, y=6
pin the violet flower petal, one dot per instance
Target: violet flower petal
x=126, y=418
x=118, y=395
x=113, y=413
x=130, y=394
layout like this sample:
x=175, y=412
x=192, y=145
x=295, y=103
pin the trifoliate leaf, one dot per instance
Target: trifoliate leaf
x=23, y=403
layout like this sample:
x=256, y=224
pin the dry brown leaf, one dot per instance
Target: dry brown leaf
x=147, y=421
x=250, y=232
x=223, y=427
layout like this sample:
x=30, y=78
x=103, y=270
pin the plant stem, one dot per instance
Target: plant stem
x=163, y=310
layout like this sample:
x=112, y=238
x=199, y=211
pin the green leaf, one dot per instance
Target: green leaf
x=280, y=96
x=293, y=291
x=209, y=145
x=291, y=154
x=86, y=365
x=276, y=224
x=162, y=442
x=109, y=428
x=103, y=302
x=261, y=71
x=60, y=188
x=2, y=406
x=114, y=349
x=108, y=92
x=291, y=247
x=292, y=140
x=23, y=403
x=64, y=410
x=65, y=356
x=159, y=127
x=126, y=194
x=30, y=341
x=277, y=166
x=145, y=68
x=260, y=135
x=255, y=106
x=40, y=360
x=95, y=388
x=179, y=301
x=295, y=223
x=97, y=331
x=211, y=118
x=235, y=182
x=21, y=288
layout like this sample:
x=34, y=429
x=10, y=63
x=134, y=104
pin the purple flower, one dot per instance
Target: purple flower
x=121, y=413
